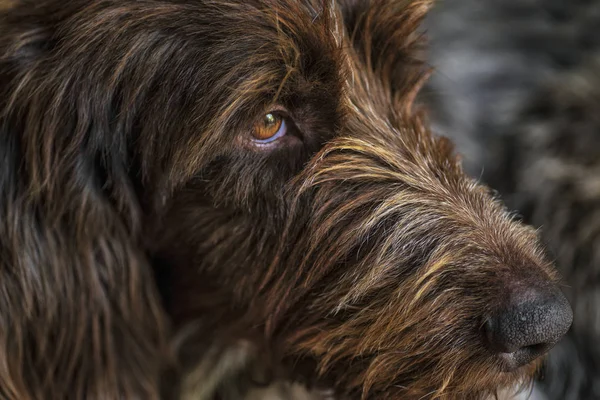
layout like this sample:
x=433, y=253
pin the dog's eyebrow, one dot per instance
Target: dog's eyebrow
x=313, y=11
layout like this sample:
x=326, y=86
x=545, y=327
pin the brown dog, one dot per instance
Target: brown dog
x=263, y=159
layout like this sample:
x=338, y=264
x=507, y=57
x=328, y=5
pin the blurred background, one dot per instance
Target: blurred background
x=517, y=86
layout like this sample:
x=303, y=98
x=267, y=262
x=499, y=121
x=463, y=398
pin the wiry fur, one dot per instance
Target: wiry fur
x=354, y=253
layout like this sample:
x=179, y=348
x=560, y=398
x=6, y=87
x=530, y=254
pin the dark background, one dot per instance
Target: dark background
x=517, y=86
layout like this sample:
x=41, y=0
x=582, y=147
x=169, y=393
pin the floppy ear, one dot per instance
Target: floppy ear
x=79, y=313
x=386, y=37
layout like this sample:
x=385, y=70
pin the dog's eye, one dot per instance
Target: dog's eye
x=271, y=127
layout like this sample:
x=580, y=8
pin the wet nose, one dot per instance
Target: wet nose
x=529, y=324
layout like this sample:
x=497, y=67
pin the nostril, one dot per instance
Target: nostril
x=531, y=352
x=528, y=325
x=495, y=339
x=539, y=348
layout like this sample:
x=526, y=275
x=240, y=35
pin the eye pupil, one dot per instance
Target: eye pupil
x=270, y=119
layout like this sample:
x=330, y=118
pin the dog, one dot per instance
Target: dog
x=211, y=199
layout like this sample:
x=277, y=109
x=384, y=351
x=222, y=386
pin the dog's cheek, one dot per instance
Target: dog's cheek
x=250, y=179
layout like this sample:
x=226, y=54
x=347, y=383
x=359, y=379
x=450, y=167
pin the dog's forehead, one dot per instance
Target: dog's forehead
x=312, y=41
x=294, y=48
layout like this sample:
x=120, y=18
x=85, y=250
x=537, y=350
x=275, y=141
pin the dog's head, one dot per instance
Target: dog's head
x=267, y=155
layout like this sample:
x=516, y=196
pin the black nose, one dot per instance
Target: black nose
x=528, y=325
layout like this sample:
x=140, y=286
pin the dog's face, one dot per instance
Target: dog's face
x=285, y=185
x=326, y=212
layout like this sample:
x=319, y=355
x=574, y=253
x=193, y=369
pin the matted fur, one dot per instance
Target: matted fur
x=353, y=255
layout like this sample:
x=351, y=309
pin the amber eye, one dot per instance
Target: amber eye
x=271, y=127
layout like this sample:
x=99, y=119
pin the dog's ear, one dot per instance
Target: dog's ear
x=79, y=313
x=386, y=35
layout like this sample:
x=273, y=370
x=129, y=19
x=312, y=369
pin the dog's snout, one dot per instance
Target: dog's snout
x=528, y=325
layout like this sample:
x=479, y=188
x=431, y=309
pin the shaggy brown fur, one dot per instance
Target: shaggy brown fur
x=352, y=251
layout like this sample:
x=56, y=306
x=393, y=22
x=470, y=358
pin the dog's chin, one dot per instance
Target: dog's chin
x=518, y=378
